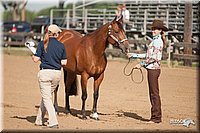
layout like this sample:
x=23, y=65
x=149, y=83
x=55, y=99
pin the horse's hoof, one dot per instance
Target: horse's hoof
x=57, y=113
x=95, y=116
x=96, y=119
x=67, y=111
x=84, y=118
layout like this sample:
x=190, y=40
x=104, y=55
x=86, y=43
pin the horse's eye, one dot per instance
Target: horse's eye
x=117, y=32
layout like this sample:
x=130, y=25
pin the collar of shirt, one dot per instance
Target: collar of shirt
x=156, y=36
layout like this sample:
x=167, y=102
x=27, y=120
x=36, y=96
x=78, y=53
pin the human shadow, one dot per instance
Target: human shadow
x=133, y=115
x=30, y=119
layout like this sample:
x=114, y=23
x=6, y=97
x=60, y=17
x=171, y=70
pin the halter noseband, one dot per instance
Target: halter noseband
x=113, y=37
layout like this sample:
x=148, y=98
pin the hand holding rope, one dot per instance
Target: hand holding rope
x=131, y=73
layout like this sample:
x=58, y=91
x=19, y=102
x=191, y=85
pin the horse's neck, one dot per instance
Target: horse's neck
x=100, y=38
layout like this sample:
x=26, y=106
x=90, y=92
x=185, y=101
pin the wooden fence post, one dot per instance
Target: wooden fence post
x=169, y=54
x=188, y=31
x=145, y=22
x=68, y=19
x=85, y=21
x=110, y=55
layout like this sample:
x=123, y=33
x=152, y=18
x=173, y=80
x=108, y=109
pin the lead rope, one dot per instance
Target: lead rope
x=131, y=73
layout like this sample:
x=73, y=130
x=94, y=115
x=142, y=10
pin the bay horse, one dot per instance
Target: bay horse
x=86, y=57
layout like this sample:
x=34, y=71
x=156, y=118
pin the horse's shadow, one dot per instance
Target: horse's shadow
x=74, y=112
x=77, y=113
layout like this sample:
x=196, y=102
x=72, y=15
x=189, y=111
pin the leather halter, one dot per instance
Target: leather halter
x=113, y=37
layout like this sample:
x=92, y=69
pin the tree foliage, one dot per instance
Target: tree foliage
x=31, y=15
x=7, y=15
x=46, y=11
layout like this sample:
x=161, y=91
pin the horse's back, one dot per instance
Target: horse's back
x=70, y=39
x=67, y=37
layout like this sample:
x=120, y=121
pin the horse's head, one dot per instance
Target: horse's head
x=117, y=36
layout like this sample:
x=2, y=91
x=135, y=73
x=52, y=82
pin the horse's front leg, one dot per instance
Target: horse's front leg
x=97, y=82
x=56, y=99
x=84, y=78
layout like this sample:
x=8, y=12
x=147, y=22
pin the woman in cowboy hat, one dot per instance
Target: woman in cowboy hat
x=152, y=64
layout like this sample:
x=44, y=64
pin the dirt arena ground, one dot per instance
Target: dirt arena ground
x=122, y=105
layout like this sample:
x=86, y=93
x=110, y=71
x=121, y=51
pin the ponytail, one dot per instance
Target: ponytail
x=46, y=41
x=163, y=39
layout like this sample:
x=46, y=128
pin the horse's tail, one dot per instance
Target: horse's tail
x=74, y=86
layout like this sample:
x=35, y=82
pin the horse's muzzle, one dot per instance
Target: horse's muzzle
x=125, y=47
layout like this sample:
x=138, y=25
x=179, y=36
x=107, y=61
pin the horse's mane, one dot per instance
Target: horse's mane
x=97, y=30
x=68, y=31
x=120, y=25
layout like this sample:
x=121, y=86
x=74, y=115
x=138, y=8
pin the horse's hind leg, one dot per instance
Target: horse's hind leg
x=56, y=100
x=67, y=107
x=69, y=80
x=84, y=78
x=97, y=82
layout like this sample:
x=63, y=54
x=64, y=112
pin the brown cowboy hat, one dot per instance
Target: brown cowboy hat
x=157, y=24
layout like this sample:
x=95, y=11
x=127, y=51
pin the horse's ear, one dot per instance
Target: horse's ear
x=115, y=19
x=119, y=18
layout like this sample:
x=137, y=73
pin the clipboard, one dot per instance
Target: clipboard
x=30, y=45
